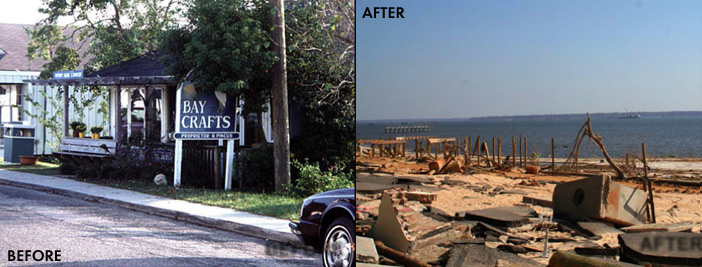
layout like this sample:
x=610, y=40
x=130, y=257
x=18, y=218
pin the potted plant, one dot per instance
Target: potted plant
x=28, y=160
x=95, y=132
x=74, y=125
x=81, y=130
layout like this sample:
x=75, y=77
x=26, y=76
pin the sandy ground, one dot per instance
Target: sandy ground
x=673, y=203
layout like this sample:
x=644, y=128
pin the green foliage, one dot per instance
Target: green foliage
x=312, y=180
x=95, y=130
x=52, y=121
x=64, y=59
x=321, y=77
x=81, y=128
x=113, y=31
x=227, y=47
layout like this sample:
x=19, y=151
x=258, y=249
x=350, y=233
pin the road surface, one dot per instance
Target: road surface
x=93, y=234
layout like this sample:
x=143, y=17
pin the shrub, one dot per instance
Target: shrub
x=257, y=169
x=312, y=180
x=66, y=169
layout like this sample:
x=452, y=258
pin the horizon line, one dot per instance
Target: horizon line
x=528, y=115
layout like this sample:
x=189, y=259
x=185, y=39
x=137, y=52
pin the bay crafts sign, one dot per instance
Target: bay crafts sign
x=206, y=115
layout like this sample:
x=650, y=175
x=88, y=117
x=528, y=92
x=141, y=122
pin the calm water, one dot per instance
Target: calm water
x=681, y=136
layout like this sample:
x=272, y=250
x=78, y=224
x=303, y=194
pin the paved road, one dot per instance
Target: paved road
x=93, y=234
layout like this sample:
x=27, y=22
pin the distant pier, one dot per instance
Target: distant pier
x=407, y=129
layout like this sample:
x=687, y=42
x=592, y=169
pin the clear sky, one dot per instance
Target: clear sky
x=22, y=12
x=460, y=59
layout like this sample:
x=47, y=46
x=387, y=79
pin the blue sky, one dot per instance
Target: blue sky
x=459, y=59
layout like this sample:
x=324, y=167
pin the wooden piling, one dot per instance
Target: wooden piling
x=499, y=151
x=553, y=155
x=416, y=149
x=465, y=151
x=372, y=150
x=514, y=154
x=487, y=154
x=520, y=151
x=468, y=151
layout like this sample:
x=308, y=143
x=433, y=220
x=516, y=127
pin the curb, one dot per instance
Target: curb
x=240, y=228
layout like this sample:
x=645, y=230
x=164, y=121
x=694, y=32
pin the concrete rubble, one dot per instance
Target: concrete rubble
x=587, y=222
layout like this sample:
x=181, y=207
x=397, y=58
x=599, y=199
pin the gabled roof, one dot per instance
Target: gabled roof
x=144, y=65
x=14, y=40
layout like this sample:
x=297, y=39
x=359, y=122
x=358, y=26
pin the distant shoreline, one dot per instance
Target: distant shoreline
x=601, y=115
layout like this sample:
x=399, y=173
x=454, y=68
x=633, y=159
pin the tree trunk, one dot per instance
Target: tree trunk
x=279, y=94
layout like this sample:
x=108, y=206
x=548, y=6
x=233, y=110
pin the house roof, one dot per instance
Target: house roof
x=144, y=65
x=14, y=41
x=141, y=70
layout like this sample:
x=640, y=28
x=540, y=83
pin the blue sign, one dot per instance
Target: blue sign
x=68, y=74
x=205, y=115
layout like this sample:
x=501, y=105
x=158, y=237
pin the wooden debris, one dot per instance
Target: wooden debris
x=399, y=257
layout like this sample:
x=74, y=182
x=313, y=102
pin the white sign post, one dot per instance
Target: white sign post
x=206, y=115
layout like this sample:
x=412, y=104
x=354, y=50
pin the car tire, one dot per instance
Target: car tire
x=339, y=244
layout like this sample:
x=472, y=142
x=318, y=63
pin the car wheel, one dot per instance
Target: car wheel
x=339, y=244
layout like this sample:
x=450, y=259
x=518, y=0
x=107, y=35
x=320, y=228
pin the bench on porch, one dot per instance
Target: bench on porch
x=84, y=150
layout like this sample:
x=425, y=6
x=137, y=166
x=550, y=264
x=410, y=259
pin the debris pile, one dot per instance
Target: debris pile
x=401, y=220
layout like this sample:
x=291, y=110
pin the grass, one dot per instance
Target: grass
x=275, y=205
x=41, y=168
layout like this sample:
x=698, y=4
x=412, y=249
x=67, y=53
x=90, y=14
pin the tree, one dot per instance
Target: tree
x=227, y=45
x=321, y=77
x=112, y=30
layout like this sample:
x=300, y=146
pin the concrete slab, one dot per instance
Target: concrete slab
x=662, y=248
x=658, y=227
x=365, y=250
x=480, y=255
x=598, y=198
x=538, y=201
x=599, y=228
x=373, y=188
x=217, y=217
x=501, y=216
x=388, y=228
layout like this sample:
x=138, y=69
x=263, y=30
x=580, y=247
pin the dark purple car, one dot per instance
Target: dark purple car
x=327, y=221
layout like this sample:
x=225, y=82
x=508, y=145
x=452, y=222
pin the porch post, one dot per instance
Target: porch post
x=65, y=111
x=129, y=113
x=117, y=118
x=165, y=110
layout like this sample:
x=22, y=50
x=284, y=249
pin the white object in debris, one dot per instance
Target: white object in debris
x=160, y=179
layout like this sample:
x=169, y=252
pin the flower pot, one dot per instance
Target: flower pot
x=28, y=160
x=81, y=135
x=75, y=134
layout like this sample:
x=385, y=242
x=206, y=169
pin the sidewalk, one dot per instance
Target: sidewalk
x=216, y=217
